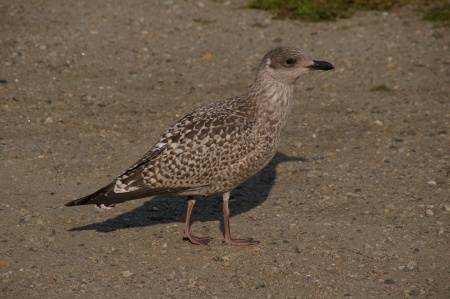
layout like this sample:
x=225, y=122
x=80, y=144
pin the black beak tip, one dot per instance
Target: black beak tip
x=321, y=65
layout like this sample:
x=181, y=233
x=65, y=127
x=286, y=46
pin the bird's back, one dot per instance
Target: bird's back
x=201, y=153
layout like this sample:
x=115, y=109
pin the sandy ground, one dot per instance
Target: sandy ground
x=355, y=204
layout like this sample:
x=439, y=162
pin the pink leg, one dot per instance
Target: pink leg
x=187, y=228
x=226, y=224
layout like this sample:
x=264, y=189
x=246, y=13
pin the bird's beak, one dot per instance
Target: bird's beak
x=320, y=65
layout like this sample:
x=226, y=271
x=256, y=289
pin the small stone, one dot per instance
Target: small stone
x=171, y=275
x=318, y=157
x=335, y=256
x=433, y=183
x=127, y=273
x=446, y=207
x=192, y=283
x=387, y=239
x=429, y=213
x=25, y=218
x=5, y=262
x=389, y=281
x=411, y=265
x=48, y=120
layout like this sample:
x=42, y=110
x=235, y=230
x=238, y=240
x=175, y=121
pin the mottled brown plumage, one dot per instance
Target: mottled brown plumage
x=216, y=147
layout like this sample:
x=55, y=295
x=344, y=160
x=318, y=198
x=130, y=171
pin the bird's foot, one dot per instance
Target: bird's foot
x=240, y=242
x=197, y=240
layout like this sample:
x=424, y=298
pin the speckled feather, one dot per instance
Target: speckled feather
x=216, y=147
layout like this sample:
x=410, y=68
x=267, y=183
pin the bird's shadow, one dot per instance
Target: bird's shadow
x=169, y=208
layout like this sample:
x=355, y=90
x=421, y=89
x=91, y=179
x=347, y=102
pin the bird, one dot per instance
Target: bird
x=216, y=147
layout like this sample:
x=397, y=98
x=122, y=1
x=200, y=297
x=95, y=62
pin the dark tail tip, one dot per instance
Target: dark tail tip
x=71, y=204
x=88, y=199
x=77, y=202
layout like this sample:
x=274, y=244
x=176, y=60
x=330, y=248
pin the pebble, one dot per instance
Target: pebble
x=5, y=262
x=127, y=273
x=378, y=122
x=171, y=275
x=318, y=157
x=411, y=265
x=387, y=239
x=48, y=120
x=192, y=283
x=389, y=281
x=429, y=213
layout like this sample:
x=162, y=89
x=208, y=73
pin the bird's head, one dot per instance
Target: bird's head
x=287, y=64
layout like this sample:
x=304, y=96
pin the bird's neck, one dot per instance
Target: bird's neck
x=271, y=96
x=273, y=102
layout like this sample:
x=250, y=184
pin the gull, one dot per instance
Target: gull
x=218, y=146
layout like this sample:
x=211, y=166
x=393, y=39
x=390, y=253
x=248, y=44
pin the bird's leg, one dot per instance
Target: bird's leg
x=187, y=228
x=226, y=224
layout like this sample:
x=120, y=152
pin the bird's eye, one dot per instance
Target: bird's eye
x=289, y=62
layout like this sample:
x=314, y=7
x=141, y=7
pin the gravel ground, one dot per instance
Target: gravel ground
x=355, y=204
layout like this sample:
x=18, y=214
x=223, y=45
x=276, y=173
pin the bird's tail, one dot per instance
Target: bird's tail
x=107, y=197
x=93, y=198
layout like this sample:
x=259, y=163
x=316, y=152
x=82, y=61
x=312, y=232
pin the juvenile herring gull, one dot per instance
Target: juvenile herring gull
x=216, y=147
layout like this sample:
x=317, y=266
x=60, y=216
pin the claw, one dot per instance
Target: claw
x=240, y=242
x=197, y=240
